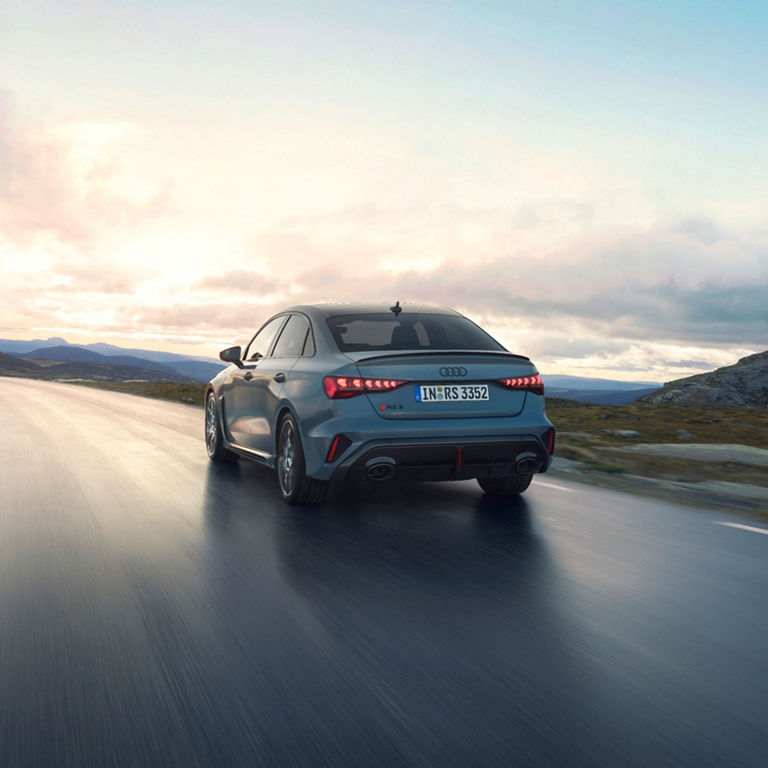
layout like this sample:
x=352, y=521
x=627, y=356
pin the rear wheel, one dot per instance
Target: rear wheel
x=505, y=486
x=295, y=486
x=214, y=440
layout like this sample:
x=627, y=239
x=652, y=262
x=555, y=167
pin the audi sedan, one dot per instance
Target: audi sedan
x=334, y=393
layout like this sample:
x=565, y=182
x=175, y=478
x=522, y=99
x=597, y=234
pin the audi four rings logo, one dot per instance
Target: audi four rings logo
x=454, y=371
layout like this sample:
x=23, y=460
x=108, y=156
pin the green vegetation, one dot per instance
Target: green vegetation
x=192, y=394
x=660, y=423
x=586, y=433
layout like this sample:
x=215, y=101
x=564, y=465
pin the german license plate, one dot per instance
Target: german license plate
x=432, y=393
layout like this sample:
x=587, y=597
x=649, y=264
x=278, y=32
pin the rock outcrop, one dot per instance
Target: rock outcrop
x=745, y=384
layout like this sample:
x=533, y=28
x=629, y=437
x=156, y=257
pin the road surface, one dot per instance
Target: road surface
x=159, y=610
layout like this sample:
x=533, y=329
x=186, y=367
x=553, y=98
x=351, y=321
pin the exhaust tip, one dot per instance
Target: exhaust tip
x=381, y=468
x=527, y=464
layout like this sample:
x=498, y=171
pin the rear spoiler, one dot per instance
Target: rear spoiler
x=442, y=352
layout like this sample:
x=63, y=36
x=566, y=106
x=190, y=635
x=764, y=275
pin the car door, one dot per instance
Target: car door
x=245, y=422
x=271, y=374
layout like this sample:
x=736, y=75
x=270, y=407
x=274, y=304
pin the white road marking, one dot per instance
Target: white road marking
x=552, y=485
x=744, y=527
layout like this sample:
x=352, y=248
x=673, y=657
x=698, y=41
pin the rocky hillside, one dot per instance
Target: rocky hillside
x=745, y=383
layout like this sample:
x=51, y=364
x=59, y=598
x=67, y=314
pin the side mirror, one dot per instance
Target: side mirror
x=232, y=355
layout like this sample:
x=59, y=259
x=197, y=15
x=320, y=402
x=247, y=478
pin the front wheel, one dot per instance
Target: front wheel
x=505, y=486
x=295, y=486
x=214, y=440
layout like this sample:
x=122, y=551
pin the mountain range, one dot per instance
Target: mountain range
x=743, y=383
x=55, y=358
x=603, y=391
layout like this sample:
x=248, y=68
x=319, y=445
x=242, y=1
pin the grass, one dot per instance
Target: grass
x=192, y=394
x=584, y=435
x=660, y=423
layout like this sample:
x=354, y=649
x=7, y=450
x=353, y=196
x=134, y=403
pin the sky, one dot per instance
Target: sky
x=587, y=180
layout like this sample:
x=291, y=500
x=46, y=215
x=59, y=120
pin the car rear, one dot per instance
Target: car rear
x=443, y=400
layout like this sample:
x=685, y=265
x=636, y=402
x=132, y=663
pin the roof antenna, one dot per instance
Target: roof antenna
x=397, y=309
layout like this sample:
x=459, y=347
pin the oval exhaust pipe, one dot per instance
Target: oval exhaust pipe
x=380, y=468
x=527, y=464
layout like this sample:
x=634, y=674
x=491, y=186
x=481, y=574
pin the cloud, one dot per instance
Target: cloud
x=88, y=278
x=598, y=281
x=241, y=281
x=694, y=281
x=67, y=183
x=215, y=318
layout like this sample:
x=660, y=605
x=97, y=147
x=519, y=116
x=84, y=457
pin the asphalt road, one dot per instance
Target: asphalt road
x=157, y=610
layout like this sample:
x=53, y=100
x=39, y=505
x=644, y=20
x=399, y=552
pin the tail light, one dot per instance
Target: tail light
x=524, y=383
x=339, y=387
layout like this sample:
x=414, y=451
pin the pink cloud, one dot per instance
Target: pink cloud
x=43, y=190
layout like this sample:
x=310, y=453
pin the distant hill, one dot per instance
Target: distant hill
x=562, y=381
x=11, y=365
x=600, y=396
x=14, y=346
x=148, y=354
x=62, y=353
x=587, y=390
x=173, y=366
x=744, y=383
x=72, y=353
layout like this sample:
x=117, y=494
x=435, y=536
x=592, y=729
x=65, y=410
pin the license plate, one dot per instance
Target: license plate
x=432, y=393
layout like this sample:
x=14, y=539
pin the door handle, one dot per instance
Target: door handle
x=279, y=377
x=248, y=376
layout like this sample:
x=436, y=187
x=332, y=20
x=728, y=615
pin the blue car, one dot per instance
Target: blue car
x=335, y=393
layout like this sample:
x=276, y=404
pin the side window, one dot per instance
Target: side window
x=292, y=337
x=262, y=341
x=309, y=345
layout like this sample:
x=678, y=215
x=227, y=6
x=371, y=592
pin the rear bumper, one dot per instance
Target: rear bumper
x=435, y=460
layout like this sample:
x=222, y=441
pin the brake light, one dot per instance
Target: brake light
x=339, y=387
x=524, y=383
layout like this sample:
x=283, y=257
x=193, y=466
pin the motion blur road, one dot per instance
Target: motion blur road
x=159, y=610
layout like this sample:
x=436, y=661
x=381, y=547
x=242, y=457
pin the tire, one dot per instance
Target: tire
x=214, y=439
x=505, y=486
x=296, y=488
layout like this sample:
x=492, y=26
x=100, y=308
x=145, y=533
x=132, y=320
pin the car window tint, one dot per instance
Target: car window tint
x=380, y=331
x=264, y=338
x=292, y=337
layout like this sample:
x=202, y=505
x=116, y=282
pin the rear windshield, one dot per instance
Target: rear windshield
x=381, y=332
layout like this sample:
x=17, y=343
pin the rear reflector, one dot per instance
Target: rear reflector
x=339, y=444
x=525, y=383
x=337, y=387
x=550, y=441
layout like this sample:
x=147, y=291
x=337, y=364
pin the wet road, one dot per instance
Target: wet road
x=157, y=610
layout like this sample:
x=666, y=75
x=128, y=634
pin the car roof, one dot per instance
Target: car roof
x=360, y=308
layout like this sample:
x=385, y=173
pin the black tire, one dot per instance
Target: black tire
x=214, y=439
x=296, y=488
x=505, y=486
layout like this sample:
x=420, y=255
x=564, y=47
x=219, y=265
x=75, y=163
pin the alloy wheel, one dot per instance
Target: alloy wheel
x=211, y=426
x=285, y=467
